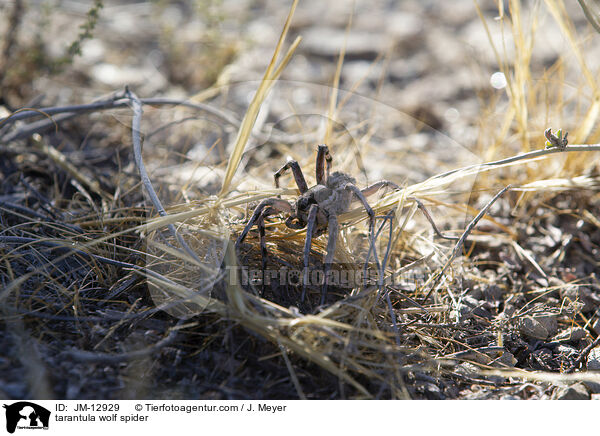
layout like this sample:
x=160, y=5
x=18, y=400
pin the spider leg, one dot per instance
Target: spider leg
x=352, y=188
x=267, y=207
x=359, y=194
x=260, y=223
x=332, y=229
x=298, y=176
x=385, y=183
x=370, y=190
x=322, y=157
x=312, y=217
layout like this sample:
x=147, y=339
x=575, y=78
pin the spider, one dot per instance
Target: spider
x=317, y=208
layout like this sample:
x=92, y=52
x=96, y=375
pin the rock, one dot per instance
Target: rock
x=532, y=328
x=472, y=307
x=576, y=391
x=507, y=359
x=540, y=326
x=592, y=387
x=593, y=360
x=467, y=369
x=494, y=293
x=145, y=77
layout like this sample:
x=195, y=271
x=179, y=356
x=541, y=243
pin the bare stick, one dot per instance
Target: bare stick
x=119, y=100
x=462, y=239
x=428, y=216
x=136, y=106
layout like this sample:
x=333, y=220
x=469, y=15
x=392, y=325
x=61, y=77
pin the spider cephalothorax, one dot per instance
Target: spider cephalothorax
x=331, y=198
x=316, y=209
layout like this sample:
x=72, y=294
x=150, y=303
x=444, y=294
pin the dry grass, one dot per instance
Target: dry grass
x=385, y=340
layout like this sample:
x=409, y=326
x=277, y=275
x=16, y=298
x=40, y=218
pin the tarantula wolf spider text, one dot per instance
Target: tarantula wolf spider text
x=317, y=209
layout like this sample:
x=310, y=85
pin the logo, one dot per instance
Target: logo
x=26, y=415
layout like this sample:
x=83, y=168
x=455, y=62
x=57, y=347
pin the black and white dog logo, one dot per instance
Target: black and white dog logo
x=26, y=415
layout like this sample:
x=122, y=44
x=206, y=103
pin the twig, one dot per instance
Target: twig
x=462, y=239
x=529, y=155
x=136, y=106
x=119, y=101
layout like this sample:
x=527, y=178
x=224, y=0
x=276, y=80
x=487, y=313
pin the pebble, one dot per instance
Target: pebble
x=538, y=326
x=576, y=391
x=593, y=360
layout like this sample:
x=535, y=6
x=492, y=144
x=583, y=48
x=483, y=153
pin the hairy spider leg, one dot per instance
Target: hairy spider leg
x=356, y=191
x=370, y=190
x=312, y=217
x=260, y=223
x=298, y=176
x=270, y=206
x=332, y=229
x=322, y=157
x=273, y=205
x=359, y=194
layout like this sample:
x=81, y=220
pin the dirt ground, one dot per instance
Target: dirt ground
x=420, y=93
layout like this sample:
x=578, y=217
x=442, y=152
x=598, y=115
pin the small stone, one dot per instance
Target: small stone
x=532, y=328
x=592, y=387
x=467, y=369
x=566, y=350
x=576, y=391
x=540, y=326
x=472, y=307
x=507, y=359
x=593, y=360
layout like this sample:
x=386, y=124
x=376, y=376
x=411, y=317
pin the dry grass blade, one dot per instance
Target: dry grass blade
x=245, y=130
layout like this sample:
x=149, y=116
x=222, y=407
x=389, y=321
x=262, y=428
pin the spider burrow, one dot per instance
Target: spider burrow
x=317, y=208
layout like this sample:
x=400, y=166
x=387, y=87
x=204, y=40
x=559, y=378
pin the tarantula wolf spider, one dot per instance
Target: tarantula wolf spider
x=317, y=209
